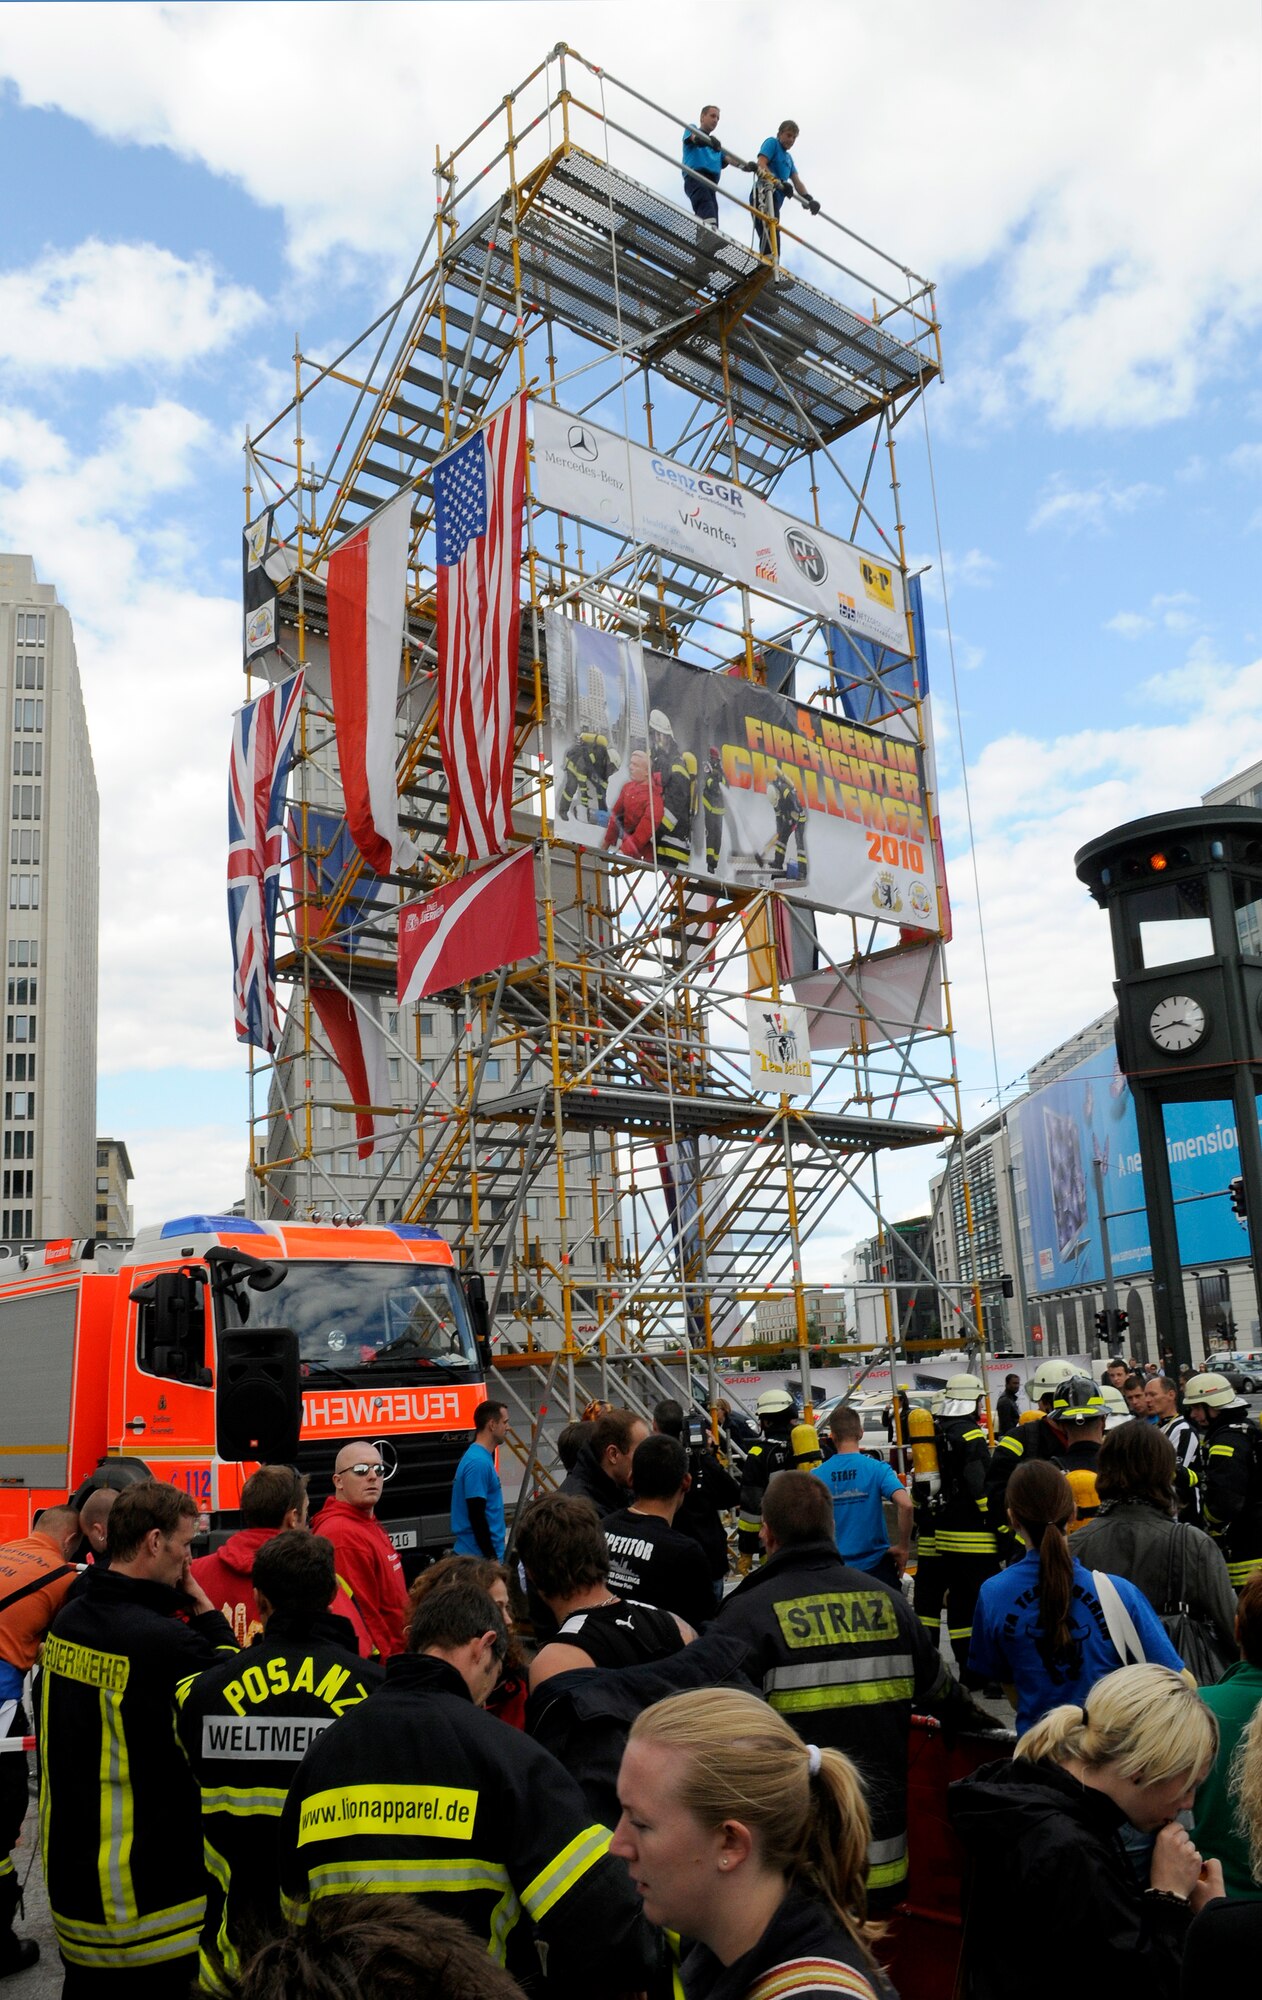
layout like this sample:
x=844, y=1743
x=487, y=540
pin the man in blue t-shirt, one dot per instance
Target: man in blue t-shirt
x=860, y=1486
x=777, y=174
x=703, y=161
x=477, y=1498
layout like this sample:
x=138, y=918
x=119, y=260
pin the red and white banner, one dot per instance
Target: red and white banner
x=477, y=524
x=367, y=585
x=360, y=1051
x=468, y=928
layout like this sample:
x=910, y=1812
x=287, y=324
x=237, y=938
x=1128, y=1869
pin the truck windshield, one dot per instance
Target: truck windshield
x=351, y=1316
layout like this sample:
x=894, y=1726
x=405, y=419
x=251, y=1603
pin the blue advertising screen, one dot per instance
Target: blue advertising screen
x=1089, y=1113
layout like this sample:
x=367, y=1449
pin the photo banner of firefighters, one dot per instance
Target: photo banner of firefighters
x=703, y=518
x=708, y=775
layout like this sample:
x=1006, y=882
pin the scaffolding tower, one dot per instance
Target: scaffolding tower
x=607, y=1083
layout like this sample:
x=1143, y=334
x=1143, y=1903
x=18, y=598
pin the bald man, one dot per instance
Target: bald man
x=365, y=1554
x=94, y=1521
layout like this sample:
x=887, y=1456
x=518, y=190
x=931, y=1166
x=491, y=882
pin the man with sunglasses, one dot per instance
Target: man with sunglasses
x=365, y=1554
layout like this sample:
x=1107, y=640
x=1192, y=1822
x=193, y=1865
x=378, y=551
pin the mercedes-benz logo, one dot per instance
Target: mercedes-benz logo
x=582, y=443
x=807, y=554
x=389, y=1458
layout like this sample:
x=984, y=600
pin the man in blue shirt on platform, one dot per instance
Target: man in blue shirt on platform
x=477, y=1498
x=860, y=1486
x=704, y=160
x=777, y=174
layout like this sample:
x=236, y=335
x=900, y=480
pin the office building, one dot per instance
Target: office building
x=48, y=1135
x=114, y=1216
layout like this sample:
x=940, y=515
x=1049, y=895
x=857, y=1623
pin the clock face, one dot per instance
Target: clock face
x=1177, y=1024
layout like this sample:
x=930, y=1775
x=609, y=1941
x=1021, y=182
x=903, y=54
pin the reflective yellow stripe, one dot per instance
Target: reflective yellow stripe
x=887, y=1874
x=857, y=1693
x=560, y=1875
x=229, y=1956
x=965, y=1542
x=118, y=1895
x=1240, y=1572
x=175, y=1918
x=125, y=1957
x=228, y=1798
x=1222, y=1451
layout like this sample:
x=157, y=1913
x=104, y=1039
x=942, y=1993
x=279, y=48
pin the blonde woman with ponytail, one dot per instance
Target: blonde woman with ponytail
x=752, y=1845
x=1043, y=1836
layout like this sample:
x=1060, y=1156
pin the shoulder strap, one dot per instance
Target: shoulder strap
x=1126, y=1641
x=37, y=1583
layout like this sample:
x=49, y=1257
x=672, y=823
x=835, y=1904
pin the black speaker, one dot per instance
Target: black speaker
x=258, y=1400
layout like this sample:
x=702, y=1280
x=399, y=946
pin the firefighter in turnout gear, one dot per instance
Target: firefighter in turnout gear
x=247, y=1723
x=678, y=771
x=928, y=1589
x=118, y=1804
x=421, y=1792
x=714, y=805
x=840, y=1655
x=790, y=825
x=964, y=1543
x=1038, y=1435
x=1232, y=1444
x=587, y=769
x=773, y=1452
x=1080, y=1410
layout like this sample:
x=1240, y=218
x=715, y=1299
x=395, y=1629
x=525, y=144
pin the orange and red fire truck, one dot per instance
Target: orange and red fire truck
x=212, y=1343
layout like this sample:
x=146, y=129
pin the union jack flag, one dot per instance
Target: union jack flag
x=262, y=744
x=477, y=518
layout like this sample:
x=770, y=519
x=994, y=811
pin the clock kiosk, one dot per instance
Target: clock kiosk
x=1184, y=895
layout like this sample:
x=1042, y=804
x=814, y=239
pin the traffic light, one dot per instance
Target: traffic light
x=1239, y=1200
x=1102, y=1326
x=1006, y=1286
x=1121, y=1321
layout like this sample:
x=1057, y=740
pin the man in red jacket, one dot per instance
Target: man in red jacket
x=365, y=1553
x=273, y=1499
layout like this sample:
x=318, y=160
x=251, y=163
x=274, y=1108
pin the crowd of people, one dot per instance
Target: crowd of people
x=609, y=1760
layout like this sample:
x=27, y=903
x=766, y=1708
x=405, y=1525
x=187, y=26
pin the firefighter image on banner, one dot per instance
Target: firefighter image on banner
x=705, y=774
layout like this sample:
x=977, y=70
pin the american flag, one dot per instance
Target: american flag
x=477, y=513
x=262, y=743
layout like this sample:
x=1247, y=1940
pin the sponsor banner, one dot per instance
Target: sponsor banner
x=325, y=1412
x=779, y=1050
x=1089, y=1113
x=741, y=785
x=445, y=1810
x=703, y=518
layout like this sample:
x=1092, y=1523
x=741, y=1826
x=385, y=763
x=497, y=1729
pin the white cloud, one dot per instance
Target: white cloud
x=158, y=664
x=1170, y=609
x=102, y=306
x=1034, y=804
x=199, y=1169
x=1102, y=160
x=1093, y=507
x=1247, y=460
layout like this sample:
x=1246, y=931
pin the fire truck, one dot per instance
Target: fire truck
x=212, y=1343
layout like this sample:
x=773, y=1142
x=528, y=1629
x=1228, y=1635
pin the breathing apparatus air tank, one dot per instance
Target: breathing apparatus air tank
x=926, y=1479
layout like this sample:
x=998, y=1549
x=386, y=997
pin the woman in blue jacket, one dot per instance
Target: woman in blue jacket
x=1041, y=1627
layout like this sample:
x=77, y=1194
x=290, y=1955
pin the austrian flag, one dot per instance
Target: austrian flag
x=478, y=493
x=468, y=928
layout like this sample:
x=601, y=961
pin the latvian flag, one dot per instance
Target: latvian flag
x=468, y=928
x=477, y=519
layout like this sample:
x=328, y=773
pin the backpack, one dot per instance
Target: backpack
x=690, y=765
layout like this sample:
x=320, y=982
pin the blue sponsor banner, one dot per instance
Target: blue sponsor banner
x=1089, y=1113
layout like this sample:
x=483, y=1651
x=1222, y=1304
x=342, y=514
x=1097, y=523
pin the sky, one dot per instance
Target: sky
x=190, y=186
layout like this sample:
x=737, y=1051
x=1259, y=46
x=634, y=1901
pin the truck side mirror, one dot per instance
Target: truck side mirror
x=479, y=1314
x=171, y=1326
x=258, y=1398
